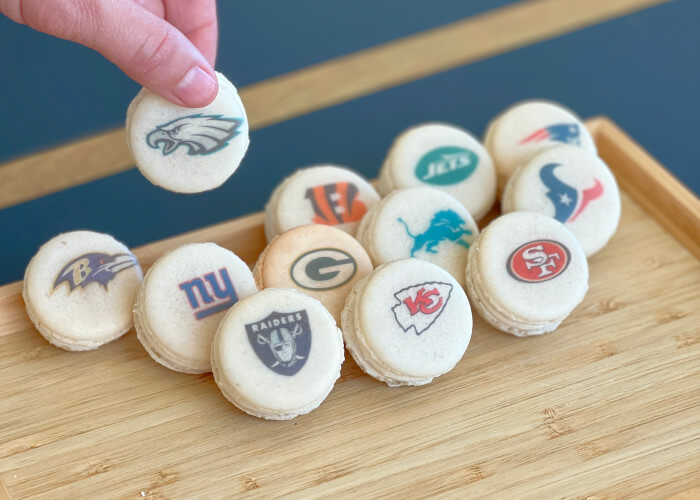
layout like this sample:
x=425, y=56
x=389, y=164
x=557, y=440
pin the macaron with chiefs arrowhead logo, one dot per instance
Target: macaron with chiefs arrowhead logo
x=407, y=322
x=182, y=299
x=79, y=289
x=184, y=149
x=321, y=261
x=445, y=157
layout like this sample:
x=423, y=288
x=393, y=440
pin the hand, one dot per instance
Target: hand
x=168, y=46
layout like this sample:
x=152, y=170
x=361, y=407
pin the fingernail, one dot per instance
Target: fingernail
x=197, y=88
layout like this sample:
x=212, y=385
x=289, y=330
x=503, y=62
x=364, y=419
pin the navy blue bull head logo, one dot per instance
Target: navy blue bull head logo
x=199, y=134
x=282, y=341
x=446, y=225
x=93, y=268
x=568, y=133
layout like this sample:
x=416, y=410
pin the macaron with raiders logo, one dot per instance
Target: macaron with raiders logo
x=571, y=185
x=321, y=261
x=525, y=128
x=421, y=222
x=184, y=149
x=445, y=157
x=408, y=322
x=182, y=299
x=277, y=354
x=79, y=289
x=526, y=273
x=322, y=194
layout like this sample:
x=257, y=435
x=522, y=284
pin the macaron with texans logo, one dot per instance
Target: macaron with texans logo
x=445, y=157
x=407, y=322
x=571, y=185
x=79, y=289
x=321, y=261
x=188, y=150
x=526, y=273
x=324, y=194
x=182, y=299
x=277, y=354
x=421, y=222
x=528, y=127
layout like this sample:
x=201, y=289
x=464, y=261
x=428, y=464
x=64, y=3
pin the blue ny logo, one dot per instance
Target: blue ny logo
x=222, y=295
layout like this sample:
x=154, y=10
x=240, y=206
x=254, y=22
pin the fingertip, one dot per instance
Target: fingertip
x=197, y=88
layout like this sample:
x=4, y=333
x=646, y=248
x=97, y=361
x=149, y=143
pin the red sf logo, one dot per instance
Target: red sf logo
x=419, y=306
x=424, y=302
x=538, y=261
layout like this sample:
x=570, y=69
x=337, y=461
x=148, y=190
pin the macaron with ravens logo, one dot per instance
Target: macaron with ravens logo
x=408, y=322
x=184, y=149
x=321, y=261
x=182, y=299
x=277, y=354
x=79, y=289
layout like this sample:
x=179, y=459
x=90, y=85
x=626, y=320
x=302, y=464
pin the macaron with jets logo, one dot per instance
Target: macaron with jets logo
x=446, y=165
x=282, y=341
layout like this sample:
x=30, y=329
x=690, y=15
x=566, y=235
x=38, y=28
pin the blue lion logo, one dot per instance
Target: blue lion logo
x=200, y=134
x=445, y=225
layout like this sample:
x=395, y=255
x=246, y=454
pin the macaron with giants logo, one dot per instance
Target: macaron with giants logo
x=321, y=261
x=445, y=157
x=79, y=289
x=408, y=322
x=325, y=194
x=183, y=149
x=526, y=273
x=182, y=299
x=277, y=354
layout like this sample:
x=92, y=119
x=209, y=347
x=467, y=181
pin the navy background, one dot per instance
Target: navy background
x=641, y=70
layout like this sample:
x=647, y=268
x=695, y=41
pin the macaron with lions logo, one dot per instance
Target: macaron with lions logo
x=79, y=289
x=321, y=261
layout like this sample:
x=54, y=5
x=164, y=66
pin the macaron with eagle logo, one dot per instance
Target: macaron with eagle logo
x=188, y=150
x=79, y=289
x=526, y=273
x=407, y=322
x=277, y=354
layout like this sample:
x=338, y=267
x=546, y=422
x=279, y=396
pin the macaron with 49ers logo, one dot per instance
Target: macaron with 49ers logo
x=323, y=194
x=79, y=289
x=188, y=150
x=445, y=157
x=408, y=322
x=321, y=261
x=277, y=354
x=182, y=299
x=526, y=272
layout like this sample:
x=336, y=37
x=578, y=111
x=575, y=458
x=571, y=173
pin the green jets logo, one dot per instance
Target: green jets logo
x=446, y=165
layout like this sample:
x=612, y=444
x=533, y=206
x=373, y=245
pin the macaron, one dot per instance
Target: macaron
x=408, y=322
x=188, y=150
x=526, y=272
x=445, y=157
x=571, y=185
x=323, y=194
x=321, y=261
x=421, y=222
x=79, y=289
x=522, y=130
x=182, y=299
x=277, y=354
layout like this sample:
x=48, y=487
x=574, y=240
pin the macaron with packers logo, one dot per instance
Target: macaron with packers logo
x=277, y=354
x=422, y=222
x=442, y=156
x=406, y=323
x=188, y=150
x=571, y=185
x=321, y=261
x=79, y=289
x=526, y=273
x=182, y=299
x=324, y=194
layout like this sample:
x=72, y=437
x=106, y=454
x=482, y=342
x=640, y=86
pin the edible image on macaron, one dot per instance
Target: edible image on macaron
x=188, y=150
x=445, y=157
x=79, y=289
x=326, y=195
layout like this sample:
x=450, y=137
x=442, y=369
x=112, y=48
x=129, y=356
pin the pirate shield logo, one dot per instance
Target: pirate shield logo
x=282, y=341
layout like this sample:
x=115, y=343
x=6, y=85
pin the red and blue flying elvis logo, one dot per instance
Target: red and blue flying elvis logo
x=568, y=133
x=568, y=201
x=93, y=268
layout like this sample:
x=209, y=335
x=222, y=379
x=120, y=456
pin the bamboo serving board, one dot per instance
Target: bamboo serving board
x=605, y=406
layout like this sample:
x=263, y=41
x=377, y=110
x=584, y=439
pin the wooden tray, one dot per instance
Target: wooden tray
x=606, y=406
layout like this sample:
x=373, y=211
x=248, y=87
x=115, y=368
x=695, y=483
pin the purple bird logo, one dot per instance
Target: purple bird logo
x=567, y=133
x=94, y=268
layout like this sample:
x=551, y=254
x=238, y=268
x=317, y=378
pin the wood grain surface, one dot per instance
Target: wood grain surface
x=604, y=407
